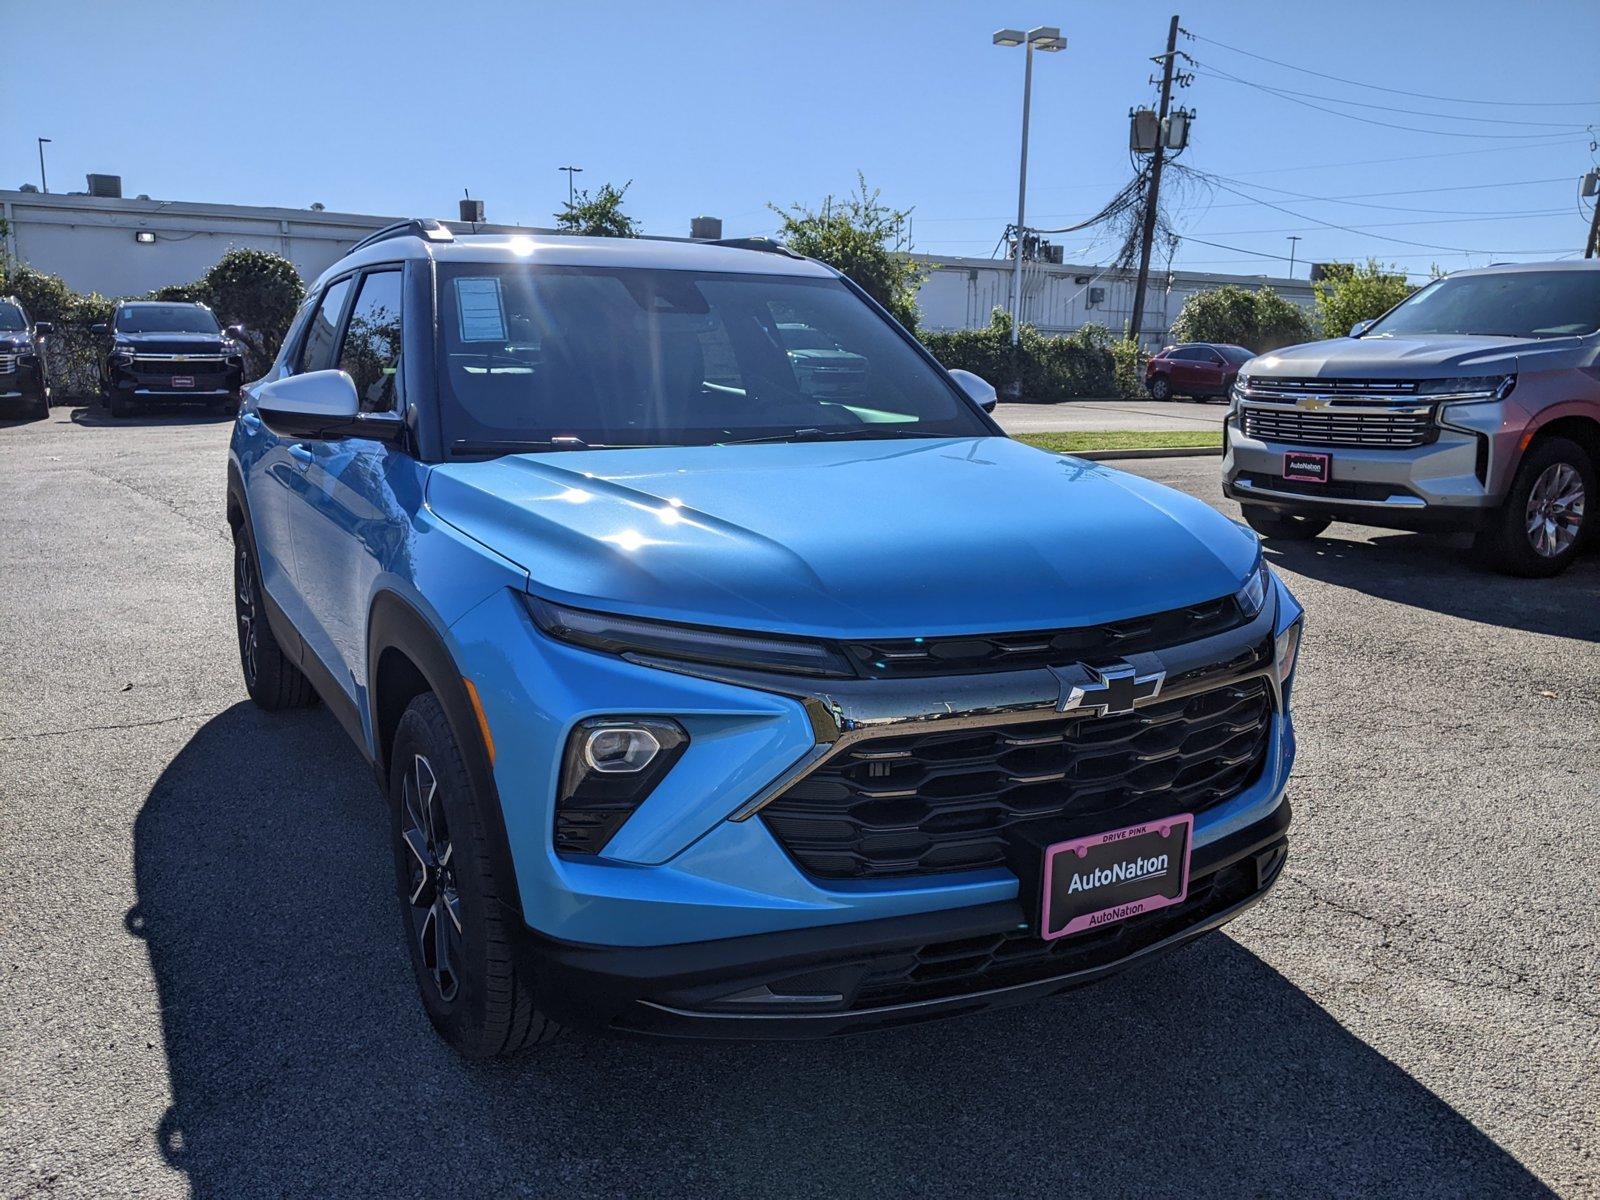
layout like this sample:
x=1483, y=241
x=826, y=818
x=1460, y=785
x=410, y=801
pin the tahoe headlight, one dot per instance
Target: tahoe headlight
x=122, y=353
x=639, y=638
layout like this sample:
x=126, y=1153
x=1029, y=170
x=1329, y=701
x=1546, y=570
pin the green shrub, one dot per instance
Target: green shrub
x=1049, y=368
x=1256, y=318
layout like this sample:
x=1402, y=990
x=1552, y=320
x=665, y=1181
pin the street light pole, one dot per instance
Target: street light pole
x=43, y=184
x=1292, y=239
x=571, y=171
x=1045, y=37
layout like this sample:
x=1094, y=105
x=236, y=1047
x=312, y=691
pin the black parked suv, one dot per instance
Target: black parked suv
x=164, y=351
x=22, y=365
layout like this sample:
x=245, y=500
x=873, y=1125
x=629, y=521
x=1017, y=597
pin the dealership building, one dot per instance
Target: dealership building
x=121, y=246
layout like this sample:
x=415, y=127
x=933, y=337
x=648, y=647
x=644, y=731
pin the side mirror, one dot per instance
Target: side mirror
x=43, y=328
x=236, y=332
x=1361, y=327
x=321, y=406
x=979, y=390
x=99, y=330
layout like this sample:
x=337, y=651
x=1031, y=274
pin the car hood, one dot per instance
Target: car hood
x=847, y=539
x=1420, y=357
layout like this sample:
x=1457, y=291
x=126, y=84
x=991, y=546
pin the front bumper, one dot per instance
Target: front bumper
x=21, y=376
x=1444, y=484
x=870, y=975
x=164, y=382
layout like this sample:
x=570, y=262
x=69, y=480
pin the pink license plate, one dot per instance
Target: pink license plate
x=1307, y=468
x=1094, y=881
x=183, y=381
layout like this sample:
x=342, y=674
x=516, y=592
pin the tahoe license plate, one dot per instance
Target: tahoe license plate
x=182, y=381
x=1307, y=468
x=1094, y=881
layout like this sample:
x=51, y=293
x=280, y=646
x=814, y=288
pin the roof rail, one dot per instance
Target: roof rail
x=763, y=244
x=425, y=228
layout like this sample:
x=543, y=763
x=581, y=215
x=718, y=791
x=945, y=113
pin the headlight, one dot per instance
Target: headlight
x=1287, y=648
x=1473, y=388
x=122, y=353
x=1252, y=597
x=635, y=637
x=610, y=767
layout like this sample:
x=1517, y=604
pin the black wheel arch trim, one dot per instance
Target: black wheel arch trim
x=394, y=624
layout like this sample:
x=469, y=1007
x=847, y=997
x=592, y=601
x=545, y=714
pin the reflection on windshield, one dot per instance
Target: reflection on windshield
x=11, y=319
x=580, y=356
x=1521, y=304
x=165, y=318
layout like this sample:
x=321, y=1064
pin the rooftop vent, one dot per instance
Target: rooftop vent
x=472, y=211
x=705, y=228
x=105, y=185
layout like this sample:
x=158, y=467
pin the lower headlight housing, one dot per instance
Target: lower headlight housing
x=610, y=766
x=1286, y=650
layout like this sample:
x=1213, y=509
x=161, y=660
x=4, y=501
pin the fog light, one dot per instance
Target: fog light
x=620, y=750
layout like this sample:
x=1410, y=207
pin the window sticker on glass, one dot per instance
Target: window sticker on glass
x=480, y=310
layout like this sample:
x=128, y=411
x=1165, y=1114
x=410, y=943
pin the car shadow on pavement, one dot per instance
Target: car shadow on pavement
x=1426, y=572
x=95, y=417
x=301, y=1063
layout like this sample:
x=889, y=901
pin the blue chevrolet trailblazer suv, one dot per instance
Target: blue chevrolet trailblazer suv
x=716, y=695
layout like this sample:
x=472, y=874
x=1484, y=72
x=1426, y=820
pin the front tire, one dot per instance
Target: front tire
x=477, y=994
x=1543, y=525
x=1160, y=388
x=1285, y=526
x=273, y=682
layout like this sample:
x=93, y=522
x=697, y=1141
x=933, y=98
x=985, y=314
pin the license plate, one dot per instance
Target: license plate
x=183, y=381
x=1307, y=468
x=1095, y=881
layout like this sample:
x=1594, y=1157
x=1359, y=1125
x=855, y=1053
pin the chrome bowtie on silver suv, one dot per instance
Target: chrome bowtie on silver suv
x=1474, y=405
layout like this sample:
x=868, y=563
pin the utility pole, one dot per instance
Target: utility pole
x=1591, y=187
x=44, y=185
x=1153, y=195
x=1292, y=239
x=571, y=171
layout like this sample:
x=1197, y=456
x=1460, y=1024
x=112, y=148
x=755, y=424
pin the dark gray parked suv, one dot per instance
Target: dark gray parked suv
x=1474, y=405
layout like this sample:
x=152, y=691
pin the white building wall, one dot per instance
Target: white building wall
x=961, y=294
x=90, y=241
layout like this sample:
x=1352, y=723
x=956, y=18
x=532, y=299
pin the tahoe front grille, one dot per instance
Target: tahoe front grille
x=1333, y=428
x=944, y=800
x=8, y=363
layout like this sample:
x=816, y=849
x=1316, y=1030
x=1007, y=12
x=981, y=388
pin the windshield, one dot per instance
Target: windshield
x=11, y=319
x=1521, y=304
x=165, y=318
x=627, y=357
x=1237, y=354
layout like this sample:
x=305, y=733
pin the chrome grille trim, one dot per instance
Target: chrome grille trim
x=8, y=363
x=1382, y=430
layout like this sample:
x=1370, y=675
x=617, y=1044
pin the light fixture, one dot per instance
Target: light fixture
x=1009, y=37
x=1047, y=37
x=144, y=237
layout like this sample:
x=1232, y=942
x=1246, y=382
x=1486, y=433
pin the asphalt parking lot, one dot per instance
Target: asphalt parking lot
x=204, y=988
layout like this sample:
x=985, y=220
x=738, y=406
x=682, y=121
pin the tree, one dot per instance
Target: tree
x=1256, y=318
x=598, y=216
x=1348, y=292
x=861, y=236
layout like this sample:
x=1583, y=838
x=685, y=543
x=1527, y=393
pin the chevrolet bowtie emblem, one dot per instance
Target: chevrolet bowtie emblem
x=1311, y=403
x=1106, y=691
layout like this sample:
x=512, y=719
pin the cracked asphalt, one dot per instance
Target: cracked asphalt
x=204, y=990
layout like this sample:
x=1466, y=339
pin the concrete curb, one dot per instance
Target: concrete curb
x=1169, y=452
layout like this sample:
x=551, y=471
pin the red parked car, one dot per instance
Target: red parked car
x=1195, y=369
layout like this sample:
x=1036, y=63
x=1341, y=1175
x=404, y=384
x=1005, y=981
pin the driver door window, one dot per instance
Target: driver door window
x=370, y=353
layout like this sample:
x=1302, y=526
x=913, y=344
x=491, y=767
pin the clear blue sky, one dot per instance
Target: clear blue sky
x=719, y=108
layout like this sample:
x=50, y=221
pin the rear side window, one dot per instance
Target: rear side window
x=316, y=354
x=371, y=349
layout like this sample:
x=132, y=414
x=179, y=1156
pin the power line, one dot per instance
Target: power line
x=1214, y=181
x=1547, y=212
x=1398, y=91
x=1356, y=197
x=1211, y=72
x=1576, y=126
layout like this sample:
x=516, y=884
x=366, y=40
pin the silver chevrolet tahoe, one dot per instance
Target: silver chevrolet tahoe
x=1473, y=405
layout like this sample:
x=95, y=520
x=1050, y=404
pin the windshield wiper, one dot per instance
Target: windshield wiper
x=465, y=447
x=812, y=434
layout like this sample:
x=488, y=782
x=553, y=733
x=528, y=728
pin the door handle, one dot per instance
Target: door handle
x=301, y=454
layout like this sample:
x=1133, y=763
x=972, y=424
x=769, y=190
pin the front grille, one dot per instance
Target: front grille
x=944, y=800
x=1398, y=430
x=153, y=365
x=8, y=363
x=902, y=657
x=1268, y=387
x=941, y=969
